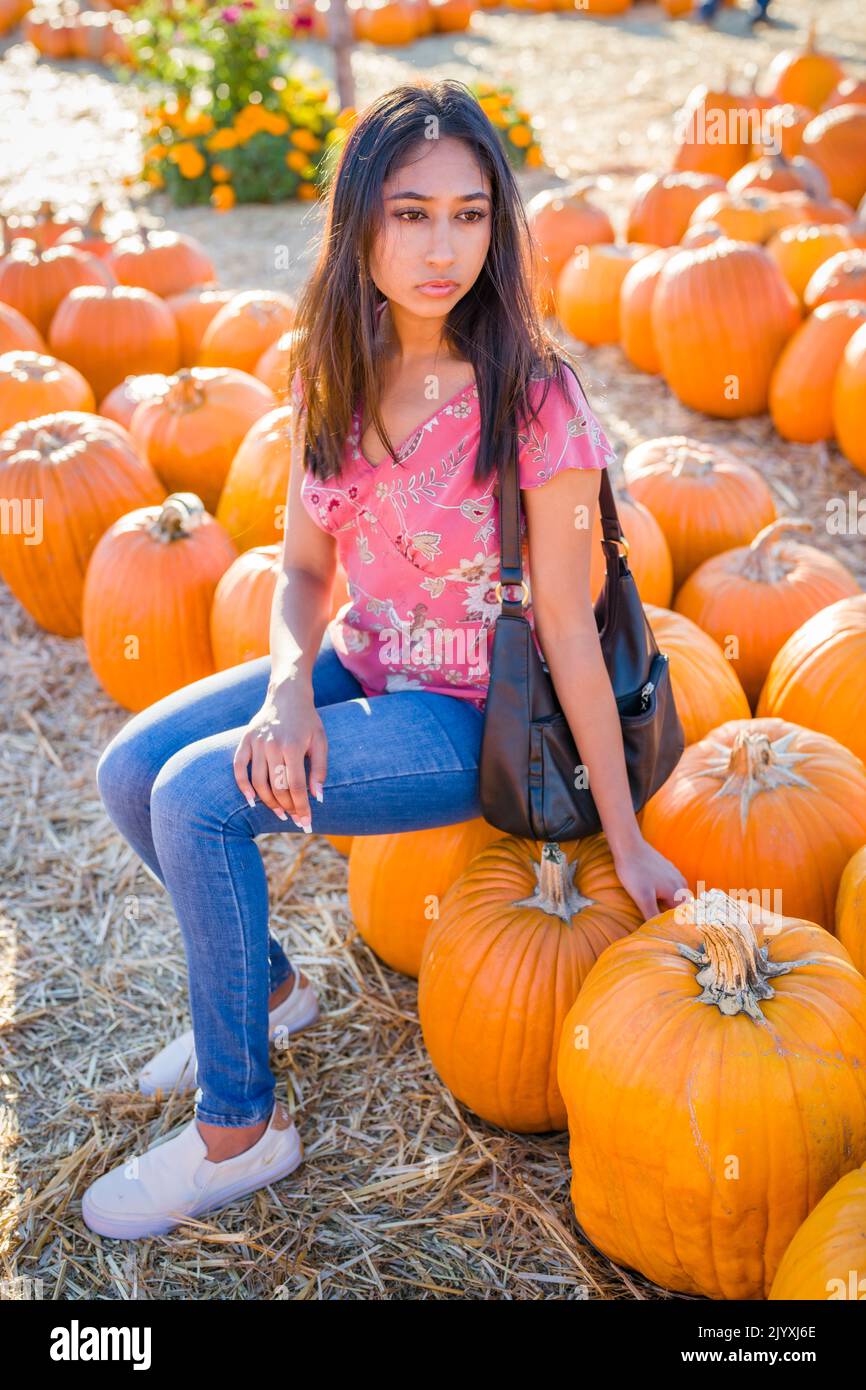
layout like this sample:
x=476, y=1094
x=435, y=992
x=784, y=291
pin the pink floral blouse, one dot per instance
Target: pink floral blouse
x=419, y=541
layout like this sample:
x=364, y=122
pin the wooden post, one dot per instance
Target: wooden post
x=340, y=36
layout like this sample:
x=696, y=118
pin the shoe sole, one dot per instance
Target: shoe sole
x=130, y=1228
x=306, y=1021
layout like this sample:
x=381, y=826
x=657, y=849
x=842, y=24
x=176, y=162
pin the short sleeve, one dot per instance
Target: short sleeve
x=565, y=433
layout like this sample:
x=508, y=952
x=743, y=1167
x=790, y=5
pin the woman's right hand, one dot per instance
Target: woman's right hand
x=275, y=741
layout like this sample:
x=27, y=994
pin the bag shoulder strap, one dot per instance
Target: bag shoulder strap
x=510, y=564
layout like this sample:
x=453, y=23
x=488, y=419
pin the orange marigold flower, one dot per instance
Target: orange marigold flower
x=219, y=173
x=521, y=136
x=305, y=139
x=225, y=139
x=223, y=197
x=308, y=192
x=534, y=158
x=296, y=159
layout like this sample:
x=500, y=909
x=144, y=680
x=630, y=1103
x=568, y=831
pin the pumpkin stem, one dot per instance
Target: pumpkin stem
x=179, y=514
x=762, y=563
x=555, y=892
x=754, y=763
x=186, y=392
x=735, y=971
x=692, y=462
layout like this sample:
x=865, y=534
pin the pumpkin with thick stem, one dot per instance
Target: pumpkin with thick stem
x=704, y=499
x=714, y=1071
x=397, y=884
x=66, y=477
x=751, y=598
x=191, y=433
x=805, y=75
x=818, y=677
x=162, y=261
x=515, y=938
x=763, y=806
x=147, y=599
x=826, y=1260
x=851, y=909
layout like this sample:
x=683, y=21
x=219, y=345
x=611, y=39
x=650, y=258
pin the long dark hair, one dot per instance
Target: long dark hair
x=497, y=325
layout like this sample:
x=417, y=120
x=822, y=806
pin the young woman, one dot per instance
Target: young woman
x=420, y=325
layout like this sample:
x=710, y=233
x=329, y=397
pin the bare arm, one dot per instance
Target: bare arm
x=559, y=559
x=287, y=727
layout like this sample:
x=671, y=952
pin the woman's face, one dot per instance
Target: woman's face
x=437, y=213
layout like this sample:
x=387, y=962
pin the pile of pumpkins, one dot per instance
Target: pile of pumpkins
x=709, y=1063
x=69, y=29
x=141, y=405
x=741, y=277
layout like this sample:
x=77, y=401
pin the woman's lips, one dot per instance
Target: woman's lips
x=437, y=291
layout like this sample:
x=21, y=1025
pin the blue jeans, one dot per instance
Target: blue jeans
x=407, y=760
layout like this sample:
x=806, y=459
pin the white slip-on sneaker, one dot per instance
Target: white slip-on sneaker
x=153, y=1192
x=175, y=1064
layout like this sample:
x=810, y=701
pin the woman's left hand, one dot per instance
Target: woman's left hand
x=653, y=882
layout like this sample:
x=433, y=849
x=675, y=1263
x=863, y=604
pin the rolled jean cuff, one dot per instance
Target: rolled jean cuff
x=210, y=1117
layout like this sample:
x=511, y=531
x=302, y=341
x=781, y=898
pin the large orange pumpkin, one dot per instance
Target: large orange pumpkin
x=162, y=261
x=588, y=290
x=703, y=498
x=714, y=1071
x=850, y=924
x=560, y=220
x=805, y=75
x=750, y=216
x=253, y=499
x=751, y=598
x=842, y=276
x=849, y=400
x=66, y=477
x=635, y=309
x=191, y=433
x=398, y=883
x=721, y=315
x=766, y=807
x=836, y=142
x=109, y=334
x=240, y=331
x=827, y=1257
x=800, y=249
x=818, y=677
x=17, y=333
x=147, y=599
x=121, y=403
x=273, y=366
x=803, y=380
x=515, y=939
x=708, y=133
x=662, y=205
x=706, y=689
x=34, y=282
x=33, y=383
x=240, y=619
x=777, y=172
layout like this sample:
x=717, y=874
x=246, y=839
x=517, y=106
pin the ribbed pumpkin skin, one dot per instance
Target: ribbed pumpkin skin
x=497, y=980
x=87, y=473
x=851, y=909
x=635, y=310
x=804, y=75
x=240, y=331
x=162, y=261
x=842, y=276
x=706, y=689
x=193, y=311
x=836, y=141
x=240, y=620
x=560, y=219
x=735, y=813
x=121, y=403
x=253, y=498
x=818, y=677
x=700, y=1141
x=663, y=203
x=588, y=290
x=706, y=501
x=759, y=594
x=157, y=594
x=17, y=333
x=649, y=558
x=830, y=1244
x=799, y=250
x=34, y=383
x=109, y=334
x=35, y=284
x=191, y=434
x=396, y=882
x=849, y=400
x=803, y=380
x=721, y=315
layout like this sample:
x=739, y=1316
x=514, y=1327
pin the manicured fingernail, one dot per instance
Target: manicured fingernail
x=251, y=801
x=304, y=824
x=317, y=792
x=281, y=813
